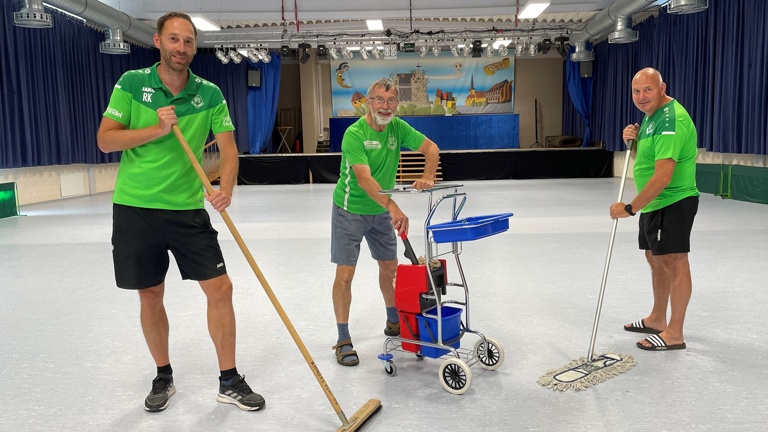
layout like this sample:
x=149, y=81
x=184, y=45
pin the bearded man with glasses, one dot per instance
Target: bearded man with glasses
x=370, y=154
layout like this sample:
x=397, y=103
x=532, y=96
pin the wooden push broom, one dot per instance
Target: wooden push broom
x=366, y=411
x=586, y=372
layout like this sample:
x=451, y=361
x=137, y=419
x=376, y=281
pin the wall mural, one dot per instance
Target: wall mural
x=429, y=85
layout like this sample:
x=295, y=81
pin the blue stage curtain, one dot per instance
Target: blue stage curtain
x=741, y=77
x=232, y=79
x=580, y=92
x=715, y=63
x=262, y=104
x=55, y=86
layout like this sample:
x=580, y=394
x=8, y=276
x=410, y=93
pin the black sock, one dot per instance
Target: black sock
x=165, y=370
x=228, y=374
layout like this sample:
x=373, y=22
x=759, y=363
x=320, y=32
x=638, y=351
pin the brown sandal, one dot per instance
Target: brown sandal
x=340, y=356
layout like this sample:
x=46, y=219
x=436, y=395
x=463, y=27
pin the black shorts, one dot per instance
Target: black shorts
x=141, y=239
x=668, y=230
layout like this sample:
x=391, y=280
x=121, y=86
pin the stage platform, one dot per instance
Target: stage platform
x=459, y=132
x=517, y=164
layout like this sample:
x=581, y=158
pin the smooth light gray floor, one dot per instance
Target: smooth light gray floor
x=73, y=357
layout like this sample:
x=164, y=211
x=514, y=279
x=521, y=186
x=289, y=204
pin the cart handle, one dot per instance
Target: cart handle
x=411, y=189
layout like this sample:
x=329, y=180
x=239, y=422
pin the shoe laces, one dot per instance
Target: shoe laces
x=161, y=383
x=241, y=386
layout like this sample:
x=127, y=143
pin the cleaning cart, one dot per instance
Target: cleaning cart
x=432, y=324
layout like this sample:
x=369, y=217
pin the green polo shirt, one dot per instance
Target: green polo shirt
x=668, y=133
x=381, y=152
x=158, y=174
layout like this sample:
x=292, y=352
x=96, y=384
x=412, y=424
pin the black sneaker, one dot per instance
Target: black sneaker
x=160, y=396
x=240, y=394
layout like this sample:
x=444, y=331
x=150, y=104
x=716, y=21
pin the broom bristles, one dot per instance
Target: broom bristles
x=579, y=374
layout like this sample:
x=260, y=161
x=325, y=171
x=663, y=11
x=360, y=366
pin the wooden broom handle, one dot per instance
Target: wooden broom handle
x=260, y=276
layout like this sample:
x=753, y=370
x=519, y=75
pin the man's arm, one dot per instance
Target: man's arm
x=115, y=136
x=662, y=175
x=222, y=198
x=432, y=156
x=366, y=181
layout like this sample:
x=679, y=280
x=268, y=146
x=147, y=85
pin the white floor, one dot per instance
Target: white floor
x=73, y=357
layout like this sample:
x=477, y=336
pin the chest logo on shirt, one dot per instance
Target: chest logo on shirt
x=392, y=142
x=372, y=145
x=197, y=101
x=147, y=95
x=649, y=129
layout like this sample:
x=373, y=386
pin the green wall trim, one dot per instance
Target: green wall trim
x=743, y=183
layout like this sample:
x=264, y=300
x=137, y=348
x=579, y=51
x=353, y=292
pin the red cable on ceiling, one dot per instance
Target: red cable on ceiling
x=296, y=15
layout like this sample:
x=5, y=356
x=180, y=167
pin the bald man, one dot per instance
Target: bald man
x=665, y=175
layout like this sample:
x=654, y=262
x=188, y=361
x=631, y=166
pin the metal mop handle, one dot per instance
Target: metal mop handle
x=630, y=144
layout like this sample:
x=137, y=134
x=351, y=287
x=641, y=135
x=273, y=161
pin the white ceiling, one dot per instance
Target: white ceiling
x=245, y=21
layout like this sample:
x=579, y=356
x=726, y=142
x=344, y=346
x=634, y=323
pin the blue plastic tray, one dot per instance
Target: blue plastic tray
x=471, y=228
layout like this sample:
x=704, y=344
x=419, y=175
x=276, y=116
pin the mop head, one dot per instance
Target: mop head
x=579, y=374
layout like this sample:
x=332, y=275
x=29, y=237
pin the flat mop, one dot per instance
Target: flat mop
x=587, y=371
x=369, y=408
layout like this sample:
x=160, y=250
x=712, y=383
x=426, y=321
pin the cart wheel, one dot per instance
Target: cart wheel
x=455, y=376
x=419, y=356
x=492, y=356
x=390, y=368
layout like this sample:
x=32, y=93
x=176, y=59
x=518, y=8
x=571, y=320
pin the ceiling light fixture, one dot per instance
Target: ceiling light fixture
x=533, y=9
x=582, y=53
x=686, y=6
x=347, y=54
x=533, y=48
x=32, y=15
x=204, y=24
x=477, y=48
x=222, y=56
x=503, y=50
x=561, y=49
x=375, y=25
x=113, y=43
x=304, y=52
x=546, y=44
x=235, y=56
x=333, y=53
x=519, y=48
x=623, y=32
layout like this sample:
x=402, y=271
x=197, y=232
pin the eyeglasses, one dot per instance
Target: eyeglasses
x=380, y=101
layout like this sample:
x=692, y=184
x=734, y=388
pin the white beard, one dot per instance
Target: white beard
x=382, y=121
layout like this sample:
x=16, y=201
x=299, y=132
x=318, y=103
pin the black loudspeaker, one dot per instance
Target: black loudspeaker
x=254, y=78
x=585, y=69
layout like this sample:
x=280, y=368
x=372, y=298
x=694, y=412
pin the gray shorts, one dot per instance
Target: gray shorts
x=348, y=231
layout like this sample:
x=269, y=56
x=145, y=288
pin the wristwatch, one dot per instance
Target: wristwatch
x=628, y=209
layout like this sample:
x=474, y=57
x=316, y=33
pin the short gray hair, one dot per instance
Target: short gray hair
x=387, y=83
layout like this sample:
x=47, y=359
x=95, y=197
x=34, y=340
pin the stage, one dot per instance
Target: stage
x=516, y=164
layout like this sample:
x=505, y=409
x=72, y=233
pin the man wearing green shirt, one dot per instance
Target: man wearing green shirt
x=665, y=176
x=370, y=154
x=158, y=201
